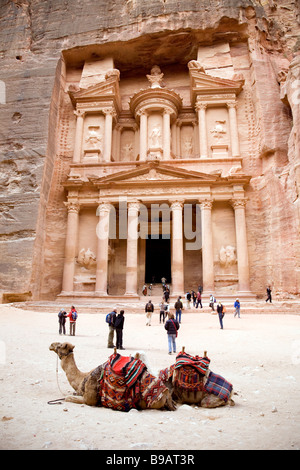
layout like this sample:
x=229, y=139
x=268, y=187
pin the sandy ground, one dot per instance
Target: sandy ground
x=258, y=354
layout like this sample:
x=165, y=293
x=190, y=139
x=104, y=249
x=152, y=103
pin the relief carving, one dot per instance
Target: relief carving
x=227, y=256
x=86, y=258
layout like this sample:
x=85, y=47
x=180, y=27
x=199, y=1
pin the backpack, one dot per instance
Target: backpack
x=149, y=307
x=107, y=318
x=74, y=315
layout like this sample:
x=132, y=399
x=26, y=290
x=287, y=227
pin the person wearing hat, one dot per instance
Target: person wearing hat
x=110, y=319
x=237, y=307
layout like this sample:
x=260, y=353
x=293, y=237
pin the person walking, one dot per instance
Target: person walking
x=162, y=311
x=110, y=319
x=212, y=302
x=269, y=294
x=199, y=300
x=73, y=317
x=237, y=307
x=178, y=307
x=188, y=300
x=221, y=312
x=119, y=325
x=149, y=309
x=62, y=317
x=172, y=327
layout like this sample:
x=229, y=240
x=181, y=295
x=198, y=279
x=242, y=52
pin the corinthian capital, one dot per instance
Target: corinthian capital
x=238, y=203
x=72, y=207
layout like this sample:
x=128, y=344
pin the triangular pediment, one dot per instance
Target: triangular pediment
x=107, y=89
x=204, y=84
x=153, y=172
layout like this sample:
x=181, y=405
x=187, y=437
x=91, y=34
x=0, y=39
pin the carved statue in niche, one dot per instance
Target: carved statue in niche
x=93, y=139
x=127, y=152
x=219, y=130
x=86, y=258
x=155, y=137
x=188, y=147
x=156, y=77
x=227, y=256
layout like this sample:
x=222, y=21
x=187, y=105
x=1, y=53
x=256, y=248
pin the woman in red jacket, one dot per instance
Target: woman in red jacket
x=73, y=317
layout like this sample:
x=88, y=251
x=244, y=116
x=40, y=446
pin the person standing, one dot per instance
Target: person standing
x=220, y=310
x=162, y=311
x=62, y=316
x=212, y=302
x=73, y=317
x=269, y=294
x=199, y=300
x=149, y=309
x=110, y=319
x=172, y=327
x=178, y=307
x=237, y=307
x=119, y=325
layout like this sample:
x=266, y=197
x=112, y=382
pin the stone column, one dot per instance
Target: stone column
x=167, y=130
x=234, y=136
x=132, y=249
x=177, y=249
x=143, y=135
x=102, y=231
x=78, y=136
x=201, y=108
x=241, y=244
x=108, y=134
x=207, y=247
x=70, y=247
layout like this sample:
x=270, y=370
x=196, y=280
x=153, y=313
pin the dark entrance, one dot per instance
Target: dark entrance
x=158, y=260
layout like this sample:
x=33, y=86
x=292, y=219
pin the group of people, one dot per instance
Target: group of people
x=172, y=324
x=62, y=319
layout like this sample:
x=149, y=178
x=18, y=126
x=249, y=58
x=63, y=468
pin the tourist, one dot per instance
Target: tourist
x=221, y=312
x=166, y=294
x=149, y=309
x=144, y=290
x=194, y=297
x=178, y=307
x=188, y=300
x=172, y=327
x=198, y=299
x=237, y=307
x=162, y=311
x=269, y=296
x=62, y=317
x=110, y=319
x=119, y=324
x=72, y=317
x=212, y=301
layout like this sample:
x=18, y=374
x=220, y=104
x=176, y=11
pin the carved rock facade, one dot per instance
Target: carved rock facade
x=170, y=154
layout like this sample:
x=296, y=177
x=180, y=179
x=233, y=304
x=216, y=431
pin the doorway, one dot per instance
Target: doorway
x=158, y=260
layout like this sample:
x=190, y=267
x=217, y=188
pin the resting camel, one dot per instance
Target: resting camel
x=86, y=384
x=194, y=386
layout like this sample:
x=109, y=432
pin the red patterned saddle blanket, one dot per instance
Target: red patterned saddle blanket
x=125, y=382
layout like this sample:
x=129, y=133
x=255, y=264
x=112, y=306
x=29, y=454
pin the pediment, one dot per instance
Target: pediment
x=152, y=173
x=105, y=90
x=204, y=84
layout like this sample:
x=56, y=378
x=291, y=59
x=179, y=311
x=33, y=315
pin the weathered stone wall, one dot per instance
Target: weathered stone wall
x=35, y=35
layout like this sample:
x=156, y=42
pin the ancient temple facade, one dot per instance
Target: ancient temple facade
x=155, y=184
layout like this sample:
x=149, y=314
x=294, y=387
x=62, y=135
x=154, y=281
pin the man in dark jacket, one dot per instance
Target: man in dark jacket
x=111, y=326
x=119, y=324
x=178, y=307
x=172, y=326
x=149, y=309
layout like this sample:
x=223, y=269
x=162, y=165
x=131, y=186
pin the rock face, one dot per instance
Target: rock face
x=46, y=51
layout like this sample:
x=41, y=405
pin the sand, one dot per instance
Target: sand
x=258, y=354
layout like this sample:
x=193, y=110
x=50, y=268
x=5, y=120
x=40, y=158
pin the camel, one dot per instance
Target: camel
x=187, y=386
x=86, y=384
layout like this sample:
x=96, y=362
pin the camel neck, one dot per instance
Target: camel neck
x=74, y=375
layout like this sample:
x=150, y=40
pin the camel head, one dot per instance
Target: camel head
x=62, y=349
